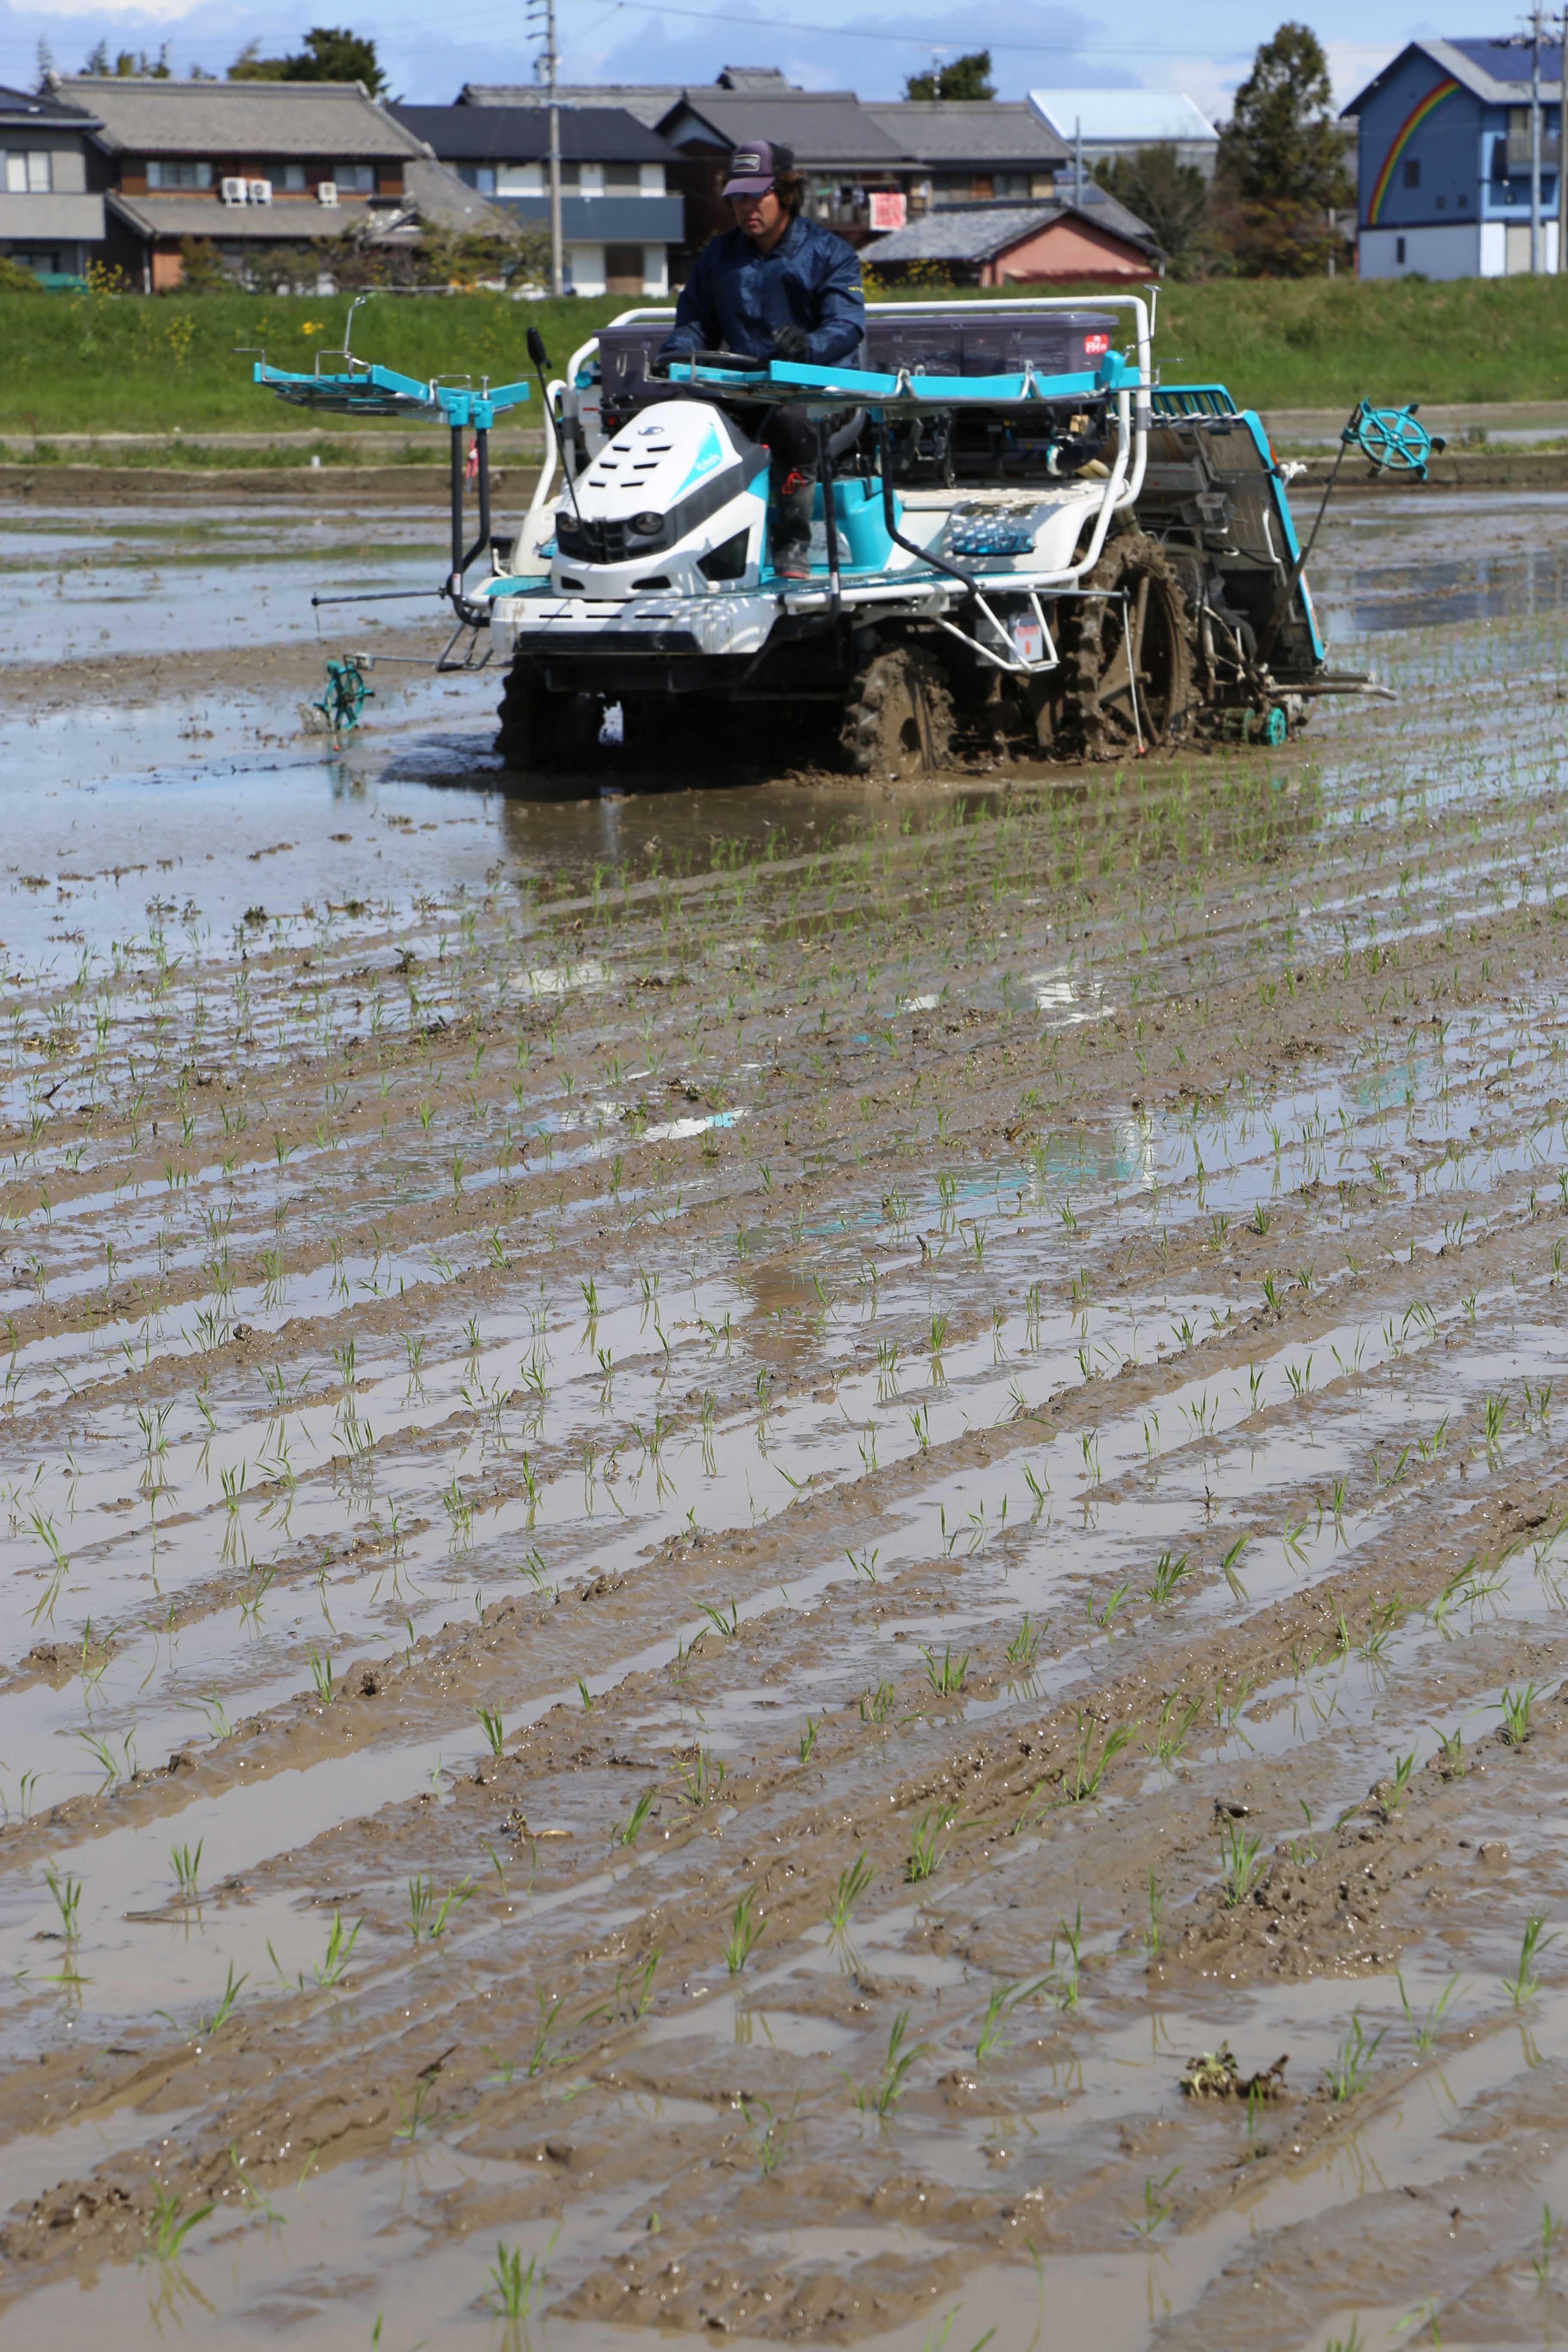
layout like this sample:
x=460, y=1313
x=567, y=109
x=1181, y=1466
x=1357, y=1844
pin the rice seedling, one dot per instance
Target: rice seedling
x=490, y=1722
x=1169, y=1571
x=745, y=1933
x=729, y=1626
x=1024, y=1648
x=66, y=1892
x=1102, y=1616
x=169, y=2225
x=328, y=1969
x=1241, y=1862
x=876, y=1706
x=893, y=2082
x=1347, y=2072
x=539, y=2055
x=808, y=1737
x=227, y=2001
x=187, y=1861
x=866, y=1565
x=1399, y=1788
x=1227, y=1565
x=770, y=2141
x=1083, y=1776
x=1426, y=2029
x=853, y=1881
x=627, y=1833
x=427, y=1919
x=1524, y=1984
x=1157, y=2206
x=947, y=1674
x=926, y=1843
x=322, y=1675
x=512, y=2286
x=1514, y=1730
x=1540, y=2263
x=1004, y=2000
x=704, y=1777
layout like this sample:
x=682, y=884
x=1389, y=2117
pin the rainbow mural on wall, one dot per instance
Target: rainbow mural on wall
x=1401, y=138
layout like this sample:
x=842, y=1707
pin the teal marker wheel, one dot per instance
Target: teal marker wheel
x=1393, y=440
x=347, y=692
x=1269, y=726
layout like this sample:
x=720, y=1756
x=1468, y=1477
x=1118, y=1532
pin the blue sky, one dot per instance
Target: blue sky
x=1204, y=49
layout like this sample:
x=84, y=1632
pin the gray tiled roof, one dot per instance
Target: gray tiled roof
x=331, y=119
x=647, y=102
x=273, y=224
x=20, y=106
x=443, y=200
x=969, y=131
x=825, y=127
x=979, y=232
x=521, y=135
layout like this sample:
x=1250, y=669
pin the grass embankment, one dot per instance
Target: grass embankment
x=127, y=364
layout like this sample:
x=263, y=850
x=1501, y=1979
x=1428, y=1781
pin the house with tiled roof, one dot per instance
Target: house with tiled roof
x=620, y=219
x=249, y=165
x=1444, y=174
x=51, y=215
x=1063, y=241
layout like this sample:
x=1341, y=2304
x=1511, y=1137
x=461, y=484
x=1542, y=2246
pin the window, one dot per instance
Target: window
x=651, y=179
x=1412, y=171
x=28, y=173
x=355, y=179
x=289, y=176
x=1399, y=253
x=591, y=179
x=522, y=179
x=484, y=179
x=179, y=175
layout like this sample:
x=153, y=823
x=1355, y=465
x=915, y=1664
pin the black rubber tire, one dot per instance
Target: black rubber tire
x=548, y=740
x=525, y=737
x=1103, y=686
x=898, y=717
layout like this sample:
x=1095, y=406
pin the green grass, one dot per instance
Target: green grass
x=79, y=364
x=127, y=364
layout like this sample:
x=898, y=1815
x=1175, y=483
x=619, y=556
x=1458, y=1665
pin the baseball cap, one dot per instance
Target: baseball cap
x=754, y=167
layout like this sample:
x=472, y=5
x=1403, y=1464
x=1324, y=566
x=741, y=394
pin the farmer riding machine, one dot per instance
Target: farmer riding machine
x=1024, y=547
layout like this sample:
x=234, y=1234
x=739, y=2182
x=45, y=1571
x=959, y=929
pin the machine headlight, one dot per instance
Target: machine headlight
x=647, y=524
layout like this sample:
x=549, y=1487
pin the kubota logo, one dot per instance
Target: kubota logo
x=1096, y=346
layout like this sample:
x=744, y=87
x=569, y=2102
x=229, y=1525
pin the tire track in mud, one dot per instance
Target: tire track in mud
x=1222, y=1074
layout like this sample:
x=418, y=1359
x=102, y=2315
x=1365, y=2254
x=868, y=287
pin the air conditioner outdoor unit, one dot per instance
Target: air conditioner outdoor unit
x=261, y=191
x=232, y=191
x=327, y=191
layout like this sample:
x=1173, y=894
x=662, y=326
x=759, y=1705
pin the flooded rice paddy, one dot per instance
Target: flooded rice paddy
x=782, y=1563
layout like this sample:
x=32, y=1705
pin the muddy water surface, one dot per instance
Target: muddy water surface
x=723, y=1514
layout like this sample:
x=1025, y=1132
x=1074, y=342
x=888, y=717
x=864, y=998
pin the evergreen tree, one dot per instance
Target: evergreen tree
x=965, y=77
x=331, y=53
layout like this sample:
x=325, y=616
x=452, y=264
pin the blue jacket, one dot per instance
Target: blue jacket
x=736, y=296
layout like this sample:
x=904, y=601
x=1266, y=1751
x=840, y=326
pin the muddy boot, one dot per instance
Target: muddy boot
x=792, y=525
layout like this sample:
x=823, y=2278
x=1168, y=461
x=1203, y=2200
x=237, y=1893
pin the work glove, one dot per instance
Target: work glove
x=791, y=343
x=659, y=363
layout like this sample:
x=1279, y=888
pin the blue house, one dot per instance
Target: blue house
x=1444, y=177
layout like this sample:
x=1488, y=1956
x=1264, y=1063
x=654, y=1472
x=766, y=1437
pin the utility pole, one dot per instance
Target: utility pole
x=1534, y=140
x=542, y=12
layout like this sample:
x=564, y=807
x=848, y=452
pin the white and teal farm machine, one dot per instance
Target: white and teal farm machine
x=1025, y=548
